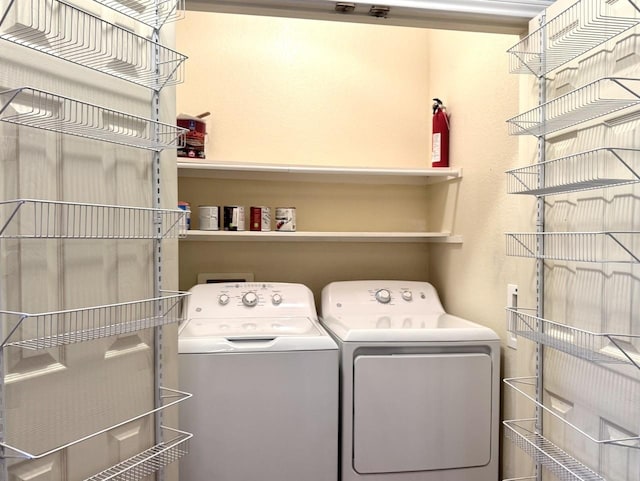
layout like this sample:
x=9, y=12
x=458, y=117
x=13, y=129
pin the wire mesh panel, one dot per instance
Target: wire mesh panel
x=604, y=167
x=580, y=343
x=149, y=461
x=44, y=219
x=594, y=100
x=526, y=387
x=566, y=468
x=150, y=12
x=168, y=397
x=601, y=247
x=62, y=30
x=578, y=29
x=48, y=111
x=57, y=328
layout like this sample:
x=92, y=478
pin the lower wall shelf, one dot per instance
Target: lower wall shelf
x=309, y=236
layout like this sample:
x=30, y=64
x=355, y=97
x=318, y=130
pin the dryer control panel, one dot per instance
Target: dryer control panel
x=375, y=297
x=250, y=299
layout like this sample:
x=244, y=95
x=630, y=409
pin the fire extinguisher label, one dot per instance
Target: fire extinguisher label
x=435, y=147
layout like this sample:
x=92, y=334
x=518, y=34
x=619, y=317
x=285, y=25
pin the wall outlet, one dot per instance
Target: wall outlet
x=512, y=302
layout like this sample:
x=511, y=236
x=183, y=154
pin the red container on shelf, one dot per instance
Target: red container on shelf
x=194, y=140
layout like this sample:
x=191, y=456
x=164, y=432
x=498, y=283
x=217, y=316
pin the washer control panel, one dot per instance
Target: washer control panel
x=244, y=299
x=380, y=297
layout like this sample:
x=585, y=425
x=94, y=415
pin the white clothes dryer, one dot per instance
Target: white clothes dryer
x=264, y=378
x=419, y=387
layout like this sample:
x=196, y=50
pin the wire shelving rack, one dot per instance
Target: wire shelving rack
x=521, y=384
x=45, y=330
x=591, y=101
x=52, y=112
x=591, y=346
x=593, y=169
x=578, y=29
x=149, y=12
x=57, y=28
x=150, y=460
x=564, y=466
x=46, y=219
x=170, y=397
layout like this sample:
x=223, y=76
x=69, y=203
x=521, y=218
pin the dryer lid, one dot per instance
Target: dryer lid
x=414, y=328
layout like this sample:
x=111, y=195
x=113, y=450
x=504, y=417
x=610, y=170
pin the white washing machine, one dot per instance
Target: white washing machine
x=264, y=378
x=419, y=387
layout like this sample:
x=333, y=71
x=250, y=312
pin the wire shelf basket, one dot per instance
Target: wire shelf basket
x=45, y=219
x=602, y=247
x=58, y=328
x=48, y=111
x=578, y=29
x=594, y=100
x=590, y=346
x=150, y=461
x=522, y=433
x=168, y=397
x=599, y=168
x=529, y=383
x=152, y=13
x=66, y=32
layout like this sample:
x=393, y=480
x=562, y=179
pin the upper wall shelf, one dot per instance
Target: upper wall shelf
x=63, y=31
x=150, y=12
x=48, y=111
x=596, y=99
x=578, y=29
x=347, y=175
x=309, y=236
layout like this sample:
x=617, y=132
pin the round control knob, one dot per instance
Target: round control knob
x=276, y=299
x=223, y=299
x=383, y=296
x=250, y=299
x=407, y=295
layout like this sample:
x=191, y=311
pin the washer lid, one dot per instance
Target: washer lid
x=428, y=327
x=201, y=335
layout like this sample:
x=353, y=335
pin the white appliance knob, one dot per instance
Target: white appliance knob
x=223, y=300
x=250, y=299
x=276, y=299
x=407, y=295
x=383, y=296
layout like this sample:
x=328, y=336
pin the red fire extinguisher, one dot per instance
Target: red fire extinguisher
x=440, y=137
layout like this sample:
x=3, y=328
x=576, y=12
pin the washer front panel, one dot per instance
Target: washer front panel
x=421, y=412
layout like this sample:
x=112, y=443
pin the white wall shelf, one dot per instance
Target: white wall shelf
x=301, y=236
x=298, y=173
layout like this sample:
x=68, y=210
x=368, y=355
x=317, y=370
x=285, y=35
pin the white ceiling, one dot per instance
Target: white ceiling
x=499, y=16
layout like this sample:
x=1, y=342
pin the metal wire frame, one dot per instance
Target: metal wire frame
x=578, y=29
x=591, y=101
x=47, y=219
x=629, y=441
x=35, y=331
x=152, y=13
x=576, y=342
x=541, y=450
x=167, y=393
x=148, y=461
x=602, y=247
x=59, y=29
x=52, y=112
x=603, y=167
